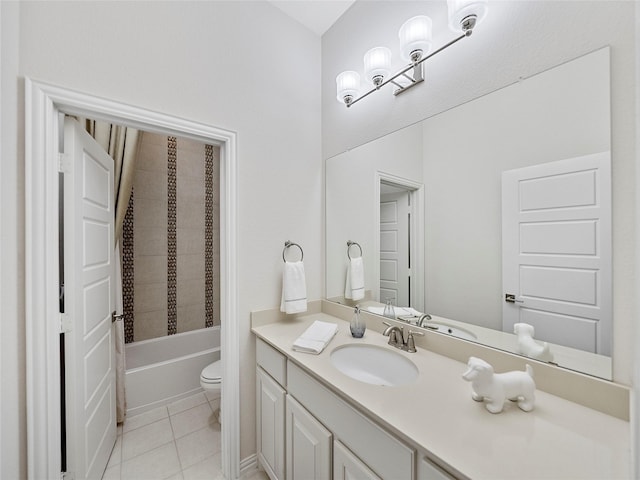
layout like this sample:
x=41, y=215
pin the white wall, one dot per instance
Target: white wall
x=551, y=116
x=242, y=66
x=12, y=339
x=517, y=39
x=351, y=202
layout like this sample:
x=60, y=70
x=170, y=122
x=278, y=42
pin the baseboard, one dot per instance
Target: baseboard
x=247, y=464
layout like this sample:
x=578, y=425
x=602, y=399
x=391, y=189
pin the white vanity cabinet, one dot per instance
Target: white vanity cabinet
x=306, y=431
x=270, y=410
x=346, y=466
x=308, y=450
x=427, y=470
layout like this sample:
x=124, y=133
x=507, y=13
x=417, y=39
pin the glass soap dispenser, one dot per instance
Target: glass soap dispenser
x=357, y=325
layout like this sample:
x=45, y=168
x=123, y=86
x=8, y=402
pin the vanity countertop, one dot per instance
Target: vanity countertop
x=559, y=439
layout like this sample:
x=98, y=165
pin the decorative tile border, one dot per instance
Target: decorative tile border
x=172, y=251
x=127, y=271
x=208, y=236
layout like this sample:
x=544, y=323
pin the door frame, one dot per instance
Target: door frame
x=416, y=193
x=44, y=104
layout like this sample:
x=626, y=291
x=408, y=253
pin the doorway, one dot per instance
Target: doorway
x=400, y=242
x=45, y=106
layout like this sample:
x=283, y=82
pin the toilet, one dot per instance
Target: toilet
x=211, y=379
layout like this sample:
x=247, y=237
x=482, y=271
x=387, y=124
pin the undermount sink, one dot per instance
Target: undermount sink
x=374, y=365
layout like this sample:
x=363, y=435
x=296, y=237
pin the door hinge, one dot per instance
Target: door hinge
x=65, y=323
x=64, y=163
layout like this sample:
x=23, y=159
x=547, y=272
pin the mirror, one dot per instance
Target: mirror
x=450, y=168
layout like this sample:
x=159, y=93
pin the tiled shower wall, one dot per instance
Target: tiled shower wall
x=171, y=248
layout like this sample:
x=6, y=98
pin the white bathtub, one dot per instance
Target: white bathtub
x=162, y=370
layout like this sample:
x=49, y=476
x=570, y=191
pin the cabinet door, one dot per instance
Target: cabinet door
x=270, y=404
x=427, y=470
x=346, y=466
x=308, y=445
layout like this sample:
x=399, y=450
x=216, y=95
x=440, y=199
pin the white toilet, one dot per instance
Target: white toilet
x=211, y=379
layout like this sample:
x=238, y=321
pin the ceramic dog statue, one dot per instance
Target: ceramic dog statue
x=495, y=388
x=528, y=346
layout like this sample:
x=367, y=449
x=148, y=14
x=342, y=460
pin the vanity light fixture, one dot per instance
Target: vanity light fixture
x=415, y=47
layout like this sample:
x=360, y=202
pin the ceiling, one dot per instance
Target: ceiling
x=316, y=15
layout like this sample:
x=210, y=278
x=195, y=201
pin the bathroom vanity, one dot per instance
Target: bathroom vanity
x=313, y=421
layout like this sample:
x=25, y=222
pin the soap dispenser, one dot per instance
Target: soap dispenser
x=389, y=311
x=357, y=326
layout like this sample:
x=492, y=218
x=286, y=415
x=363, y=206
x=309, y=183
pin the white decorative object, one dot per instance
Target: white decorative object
x=495, y=388
x=528, y=346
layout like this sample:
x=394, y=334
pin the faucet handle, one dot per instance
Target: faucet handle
x=411, y=344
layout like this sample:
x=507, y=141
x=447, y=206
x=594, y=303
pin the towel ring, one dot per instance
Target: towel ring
x=350, y=244
x=288, y=244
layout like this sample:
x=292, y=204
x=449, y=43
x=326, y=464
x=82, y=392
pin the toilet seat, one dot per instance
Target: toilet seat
x=212, y=373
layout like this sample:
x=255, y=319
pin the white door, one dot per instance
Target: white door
x=346, y=466
x=308, y=445
x=89, y=273
x=395, y=275
x=556, y=251
x=270, y=401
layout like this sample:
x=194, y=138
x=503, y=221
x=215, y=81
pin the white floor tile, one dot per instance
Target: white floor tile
x=197, y=446
x=191, y=420
x=256, y=474
x=161, y=462
x=177, y=476
x=112, y=473
x=209, y=469
x=146, y=438
x=187, y=403
x=137, y=421
x=116, y=453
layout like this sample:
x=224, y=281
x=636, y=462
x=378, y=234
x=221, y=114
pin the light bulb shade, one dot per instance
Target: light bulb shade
x=415, y=38
x=377, y=64
x=461, y=10
x=348, y=85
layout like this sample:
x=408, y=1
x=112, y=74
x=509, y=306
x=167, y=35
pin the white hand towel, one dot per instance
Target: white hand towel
x=354, y=287
x=294, y=288
x=316, y=337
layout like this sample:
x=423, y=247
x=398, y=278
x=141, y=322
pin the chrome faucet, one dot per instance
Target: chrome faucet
x=424, y=318
x=396, y=338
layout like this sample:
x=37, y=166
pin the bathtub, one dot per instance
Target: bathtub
x=162, y=370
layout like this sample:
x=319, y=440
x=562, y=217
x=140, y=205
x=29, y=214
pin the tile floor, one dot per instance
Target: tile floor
x=180, y=441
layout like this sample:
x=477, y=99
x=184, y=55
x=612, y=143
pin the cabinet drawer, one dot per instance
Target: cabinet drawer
x=387, y=456
x=427, y=470
x=272, y=361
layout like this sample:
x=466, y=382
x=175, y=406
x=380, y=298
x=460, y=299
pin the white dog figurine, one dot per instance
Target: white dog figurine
x=496, y=388
x=528, y=346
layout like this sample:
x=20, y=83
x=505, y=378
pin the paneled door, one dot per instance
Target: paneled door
x=556, y=251
x=308, y=453
x=89, y=273
x=395, y=275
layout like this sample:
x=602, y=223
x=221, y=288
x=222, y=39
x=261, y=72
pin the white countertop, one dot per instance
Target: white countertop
x=557, y=440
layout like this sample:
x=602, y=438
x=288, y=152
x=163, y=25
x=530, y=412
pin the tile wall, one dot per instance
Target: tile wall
x=174, y=223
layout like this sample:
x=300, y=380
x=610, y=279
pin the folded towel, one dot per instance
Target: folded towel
x=354, y=287
x=316, y=337
x=294, y=288
x=399, y=311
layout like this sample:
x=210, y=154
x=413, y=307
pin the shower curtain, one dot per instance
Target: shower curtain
x=122, y=144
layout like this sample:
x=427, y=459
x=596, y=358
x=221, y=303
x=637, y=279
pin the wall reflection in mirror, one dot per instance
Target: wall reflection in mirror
x=493, y=218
